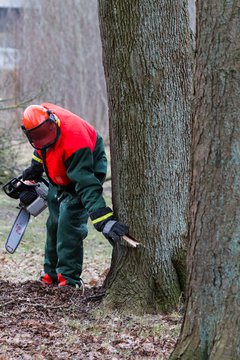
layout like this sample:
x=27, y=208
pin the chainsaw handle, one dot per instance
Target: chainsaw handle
x=41, y=179
x=15, y=186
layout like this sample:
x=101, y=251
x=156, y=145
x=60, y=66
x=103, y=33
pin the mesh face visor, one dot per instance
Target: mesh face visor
x=43, y=135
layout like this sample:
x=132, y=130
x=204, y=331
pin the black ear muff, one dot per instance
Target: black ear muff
x=53, y=118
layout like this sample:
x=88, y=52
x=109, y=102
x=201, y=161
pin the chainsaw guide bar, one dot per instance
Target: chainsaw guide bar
x=17, y=231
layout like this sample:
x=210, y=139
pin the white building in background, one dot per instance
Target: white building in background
x=10, y=14
x=11, y=3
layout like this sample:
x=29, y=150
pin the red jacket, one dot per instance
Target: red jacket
x=77, y=157
x=76, y=134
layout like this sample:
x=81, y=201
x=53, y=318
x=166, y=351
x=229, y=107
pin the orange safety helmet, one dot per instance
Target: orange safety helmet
x=40, y=126
x=33, y=116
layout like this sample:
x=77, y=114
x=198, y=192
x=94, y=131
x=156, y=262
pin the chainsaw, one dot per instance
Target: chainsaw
x=32, y=198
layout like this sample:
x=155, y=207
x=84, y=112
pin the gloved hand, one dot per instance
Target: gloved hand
x=104, y=221
x=33, y=172
x=114, y=230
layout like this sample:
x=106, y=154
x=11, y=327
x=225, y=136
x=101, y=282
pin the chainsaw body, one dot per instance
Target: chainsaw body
x=32, y=201
x=32, y=196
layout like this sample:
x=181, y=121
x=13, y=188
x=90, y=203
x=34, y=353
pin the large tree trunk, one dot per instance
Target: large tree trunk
x=147, y=66
x=211, y=326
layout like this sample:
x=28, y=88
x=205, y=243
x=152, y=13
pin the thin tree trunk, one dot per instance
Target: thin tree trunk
x=147, y=65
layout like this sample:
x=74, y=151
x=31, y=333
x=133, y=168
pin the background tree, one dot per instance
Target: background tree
x=61, y=51
x=9, y=30
x=48, y=51
x=212, y=321
x=146, y=50
x=9, y=141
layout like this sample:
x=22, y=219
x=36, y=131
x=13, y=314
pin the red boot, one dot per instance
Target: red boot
x=62, y=281
x=46, y=280
x=71, y=283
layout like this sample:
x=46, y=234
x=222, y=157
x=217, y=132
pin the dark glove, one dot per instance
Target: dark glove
x=104, y=221
x=114, y=230
x=33, y=172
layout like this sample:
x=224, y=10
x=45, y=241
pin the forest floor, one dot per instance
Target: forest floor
x=38, y=322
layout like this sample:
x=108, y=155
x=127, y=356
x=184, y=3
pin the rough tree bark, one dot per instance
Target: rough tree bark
x=212, y=321
x=147, y=66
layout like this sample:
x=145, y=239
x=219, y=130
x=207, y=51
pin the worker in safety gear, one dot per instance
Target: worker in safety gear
x=72, y=154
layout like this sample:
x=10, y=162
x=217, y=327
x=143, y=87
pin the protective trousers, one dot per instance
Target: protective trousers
x=66, y=229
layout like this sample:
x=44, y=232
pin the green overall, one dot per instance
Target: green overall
x=66, y=230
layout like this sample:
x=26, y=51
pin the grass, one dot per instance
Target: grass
x=26, y=262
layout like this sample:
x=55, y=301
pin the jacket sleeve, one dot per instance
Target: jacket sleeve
x=88, y=184
x=100, y=160
x=37, y=160
x=37, y=163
